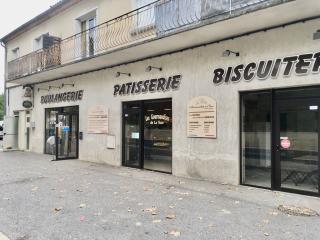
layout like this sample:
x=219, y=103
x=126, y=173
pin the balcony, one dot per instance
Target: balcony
x=134, y=32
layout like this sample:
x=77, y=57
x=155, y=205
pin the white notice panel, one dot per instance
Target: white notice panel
x=98, y=119
x=202, y=118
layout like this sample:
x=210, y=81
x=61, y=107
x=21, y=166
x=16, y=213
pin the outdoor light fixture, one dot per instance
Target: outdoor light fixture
x=50, y=87
x=228, y=53
x=67, y=84
x=44, y=89
x=118, y=74
x=149, y=68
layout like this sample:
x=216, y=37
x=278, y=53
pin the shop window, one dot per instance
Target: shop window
x=51, y=117
x=256, y=139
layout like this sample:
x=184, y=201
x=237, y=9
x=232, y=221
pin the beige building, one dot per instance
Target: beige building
x=221, y=90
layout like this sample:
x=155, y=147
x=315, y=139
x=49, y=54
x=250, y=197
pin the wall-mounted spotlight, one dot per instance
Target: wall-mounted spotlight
x=118, y=74
x=149, y=68
x=228, y=53
x=44, y=89
x=50, y=87
x=67, y=84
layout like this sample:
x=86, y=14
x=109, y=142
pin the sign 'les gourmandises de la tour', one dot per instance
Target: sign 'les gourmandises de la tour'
x=301, y=65
x=152, y=85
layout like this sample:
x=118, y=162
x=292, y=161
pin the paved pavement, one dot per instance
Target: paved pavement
x=44, y=200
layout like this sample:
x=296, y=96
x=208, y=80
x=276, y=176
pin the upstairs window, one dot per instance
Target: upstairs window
x=87, y=24
x=38, y=43
x=15, y=53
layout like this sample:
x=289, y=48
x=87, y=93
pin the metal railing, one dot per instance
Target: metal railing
x=151, y=21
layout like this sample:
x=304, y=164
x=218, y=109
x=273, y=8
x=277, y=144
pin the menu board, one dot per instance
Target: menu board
x=202, y=118
x=98, y=120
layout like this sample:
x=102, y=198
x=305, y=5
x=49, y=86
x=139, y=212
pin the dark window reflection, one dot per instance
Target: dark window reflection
x=158, y=136
x=256, y=139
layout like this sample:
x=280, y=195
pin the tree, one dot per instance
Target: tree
x=1, y=106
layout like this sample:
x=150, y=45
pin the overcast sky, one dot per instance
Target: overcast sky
x=14, y=13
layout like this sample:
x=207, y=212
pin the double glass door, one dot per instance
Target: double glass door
x=62, y=132
x=280, y=139
x=147, y=135
x=67, y=136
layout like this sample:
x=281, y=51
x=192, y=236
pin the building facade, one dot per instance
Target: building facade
x=226, y=91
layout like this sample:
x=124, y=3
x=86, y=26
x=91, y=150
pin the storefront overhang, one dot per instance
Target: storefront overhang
x=294, y=12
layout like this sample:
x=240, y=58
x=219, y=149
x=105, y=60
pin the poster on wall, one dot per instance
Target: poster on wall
x=202, y=114
x=98, y=119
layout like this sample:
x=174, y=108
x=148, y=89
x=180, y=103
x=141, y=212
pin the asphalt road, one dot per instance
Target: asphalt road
x=44, y=200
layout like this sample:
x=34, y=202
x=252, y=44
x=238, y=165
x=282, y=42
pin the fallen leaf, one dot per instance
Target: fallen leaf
x=150, y=209
x=138, y=224
x=175, y=233
x=58, y=209
x=171, y=216
x=226, y=211
x=171, y=206
x=273, y=213
x=34, y=189
x=156, y=221
x=183, y=193
x=266, y=234
x=82, y=205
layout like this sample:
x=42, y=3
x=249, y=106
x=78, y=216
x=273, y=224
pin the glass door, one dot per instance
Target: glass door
x=297, y=143
x=132, y=140
x=147, y=135
x=67, y=136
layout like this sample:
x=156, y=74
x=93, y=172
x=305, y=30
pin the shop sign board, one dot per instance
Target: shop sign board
x=98, y=120
x=148, y=86
x=62, y=97
x=303, y=64
x=202, y=118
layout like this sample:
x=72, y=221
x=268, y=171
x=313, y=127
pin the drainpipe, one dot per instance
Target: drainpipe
x=5, y=77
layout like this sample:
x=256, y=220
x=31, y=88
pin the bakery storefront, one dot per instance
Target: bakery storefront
x=239, y=111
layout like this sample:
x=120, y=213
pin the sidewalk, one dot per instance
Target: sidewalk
x=45, y=200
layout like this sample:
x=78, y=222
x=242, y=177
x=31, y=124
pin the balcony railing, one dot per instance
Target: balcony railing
x=149, y=22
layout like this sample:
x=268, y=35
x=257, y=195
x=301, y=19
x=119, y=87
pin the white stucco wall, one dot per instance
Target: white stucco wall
x=213, y=159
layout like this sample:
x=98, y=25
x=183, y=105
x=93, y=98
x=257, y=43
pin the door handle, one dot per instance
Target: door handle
x=278, y=148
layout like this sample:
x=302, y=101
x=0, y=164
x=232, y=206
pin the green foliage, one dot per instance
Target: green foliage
x=1, y=106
